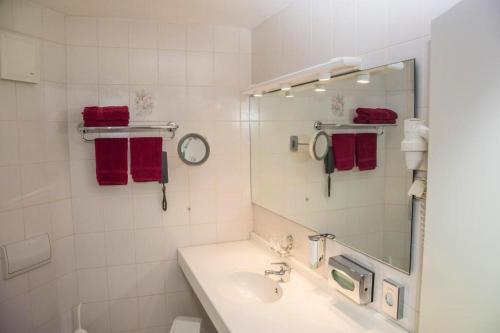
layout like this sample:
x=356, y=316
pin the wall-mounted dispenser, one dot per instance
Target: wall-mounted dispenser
x=25, y=255
x=317, y=249
x=351, y=279
x=415, y=142
x=393, y=299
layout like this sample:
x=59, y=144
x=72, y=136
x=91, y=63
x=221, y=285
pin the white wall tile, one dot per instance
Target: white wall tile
x=53, y=25
x=11, y=223
x=245, y=41
x=147, y=211
x=81, y=31
x=89, y=250
x=93, y=285
x=15, y=314
x=113, y=32
x=82, y=64
x=44, y=303
x=200, y=37
x=124, y=314
x=30, y=101
x=122, y=281
x=200, y=68
x=174, y=278
x=27, y=17
x=172, y=36
x=95, y=317
x=344, y=27
x=113, y=65
x=8, y=106
x=34, y=184
x=7, y=14
x=63, y=251
x=406, y=20
x=226, y=69
x=143, y=34
x=9, y=152
x=172, y=67
x=152, y=311
x=53, y=62
x=143, y=66
x=149, y=244
x=150, y=278
x=226, y=39
x=120, y=247
x=372, y=27
x=61, y=218
x=55, y=105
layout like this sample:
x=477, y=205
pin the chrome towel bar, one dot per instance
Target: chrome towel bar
x=318, y=125
x=170, y=127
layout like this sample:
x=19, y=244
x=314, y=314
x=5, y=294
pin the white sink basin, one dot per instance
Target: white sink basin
x=247, y=287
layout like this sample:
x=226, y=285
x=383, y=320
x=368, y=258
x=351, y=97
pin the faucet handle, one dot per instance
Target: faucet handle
x=284, y=265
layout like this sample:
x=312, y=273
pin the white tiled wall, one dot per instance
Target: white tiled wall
x=380, y=32
x=35, y=186
x=125, y=244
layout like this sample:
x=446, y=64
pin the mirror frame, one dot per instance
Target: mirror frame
x=314, y=141
x=197, y=136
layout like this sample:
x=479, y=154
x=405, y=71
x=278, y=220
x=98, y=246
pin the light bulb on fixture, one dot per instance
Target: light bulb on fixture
x=257, y=94
x=363, y=78
x=286, y=86
x=288, y=94
x=319, y=88
x=325, y=76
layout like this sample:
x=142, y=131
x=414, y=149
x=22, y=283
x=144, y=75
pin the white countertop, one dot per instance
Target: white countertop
x=304, y=307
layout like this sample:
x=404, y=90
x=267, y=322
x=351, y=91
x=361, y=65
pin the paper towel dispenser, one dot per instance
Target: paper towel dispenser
x=25, y=255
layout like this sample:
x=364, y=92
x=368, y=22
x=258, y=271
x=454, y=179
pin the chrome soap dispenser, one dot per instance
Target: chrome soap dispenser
x=317, y=249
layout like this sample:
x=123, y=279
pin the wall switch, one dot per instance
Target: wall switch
x=393, y=299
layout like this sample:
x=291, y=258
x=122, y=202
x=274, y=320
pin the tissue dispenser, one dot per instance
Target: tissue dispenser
x=25, y=255
x=351, y=279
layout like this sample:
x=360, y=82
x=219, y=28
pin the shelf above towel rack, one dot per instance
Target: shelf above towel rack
x=379, y=127
x=169, y=127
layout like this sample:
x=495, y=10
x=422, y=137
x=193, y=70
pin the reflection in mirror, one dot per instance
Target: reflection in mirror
x=193, y=149
x=368, y=209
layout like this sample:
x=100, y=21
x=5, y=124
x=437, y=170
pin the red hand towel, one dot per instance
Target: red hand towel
x=343, y=150
x=367, y=120
x=111, y=161
x=366, y=151
x=146, y=159
x=377, y=113
x=95, y=116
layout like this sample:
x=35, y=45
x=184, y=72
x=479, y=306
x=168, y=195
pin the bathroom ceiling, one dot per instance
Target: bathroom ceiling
x=241, y=13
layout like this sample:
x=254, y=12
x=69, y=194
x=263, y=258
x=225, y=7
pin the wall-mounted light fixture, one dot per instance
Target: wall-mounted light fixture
x=288, y=94
x=363, y=78
x=257, y=94
x=325, y=76
x=319, y=87
x=285, y=86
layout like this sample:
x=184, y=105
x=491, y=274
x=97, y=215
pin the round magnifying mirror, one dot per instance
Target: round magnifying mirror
x=193, y=149
x=319, y=145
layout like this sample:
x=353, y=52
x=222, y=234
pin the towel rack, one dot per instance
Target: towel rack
x=379, y=127
x=169, y=127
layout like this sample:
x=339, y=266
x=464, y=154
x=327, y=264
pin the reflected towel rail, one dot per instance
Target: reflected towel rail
x=169, y=127
x=379, y=127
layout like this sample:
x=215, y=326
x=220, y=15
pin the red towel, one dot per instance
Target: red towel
x=343, y=150
x=95, y=116
x=146, y=159
x=111, y=161
x=366, y=151
x=367, y=120
x=376, y=113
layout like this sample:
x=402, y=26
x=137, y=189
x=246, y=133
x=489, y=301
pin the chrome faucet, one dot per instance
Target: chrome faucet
x=283, y=273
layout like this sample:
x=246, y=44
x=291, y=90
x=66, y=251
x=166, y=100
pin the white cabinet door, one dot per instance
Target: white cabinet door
x=20, y=58
x=461, y=264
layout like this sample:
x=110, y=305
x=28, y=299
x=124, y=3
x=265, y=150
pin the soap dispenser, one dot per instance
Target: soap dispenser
x=317, y=249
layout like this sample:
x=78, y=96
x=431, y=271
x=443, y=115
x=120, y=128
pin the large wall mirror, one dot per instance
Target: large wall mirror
x=368, y=208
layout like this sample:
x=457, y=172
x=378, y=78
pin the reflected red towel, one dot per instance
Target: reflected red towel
x=111, y=161
x=376, y=113
x=366, y=151
x=95, y=116
x=343, y=150
x=146, y=159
